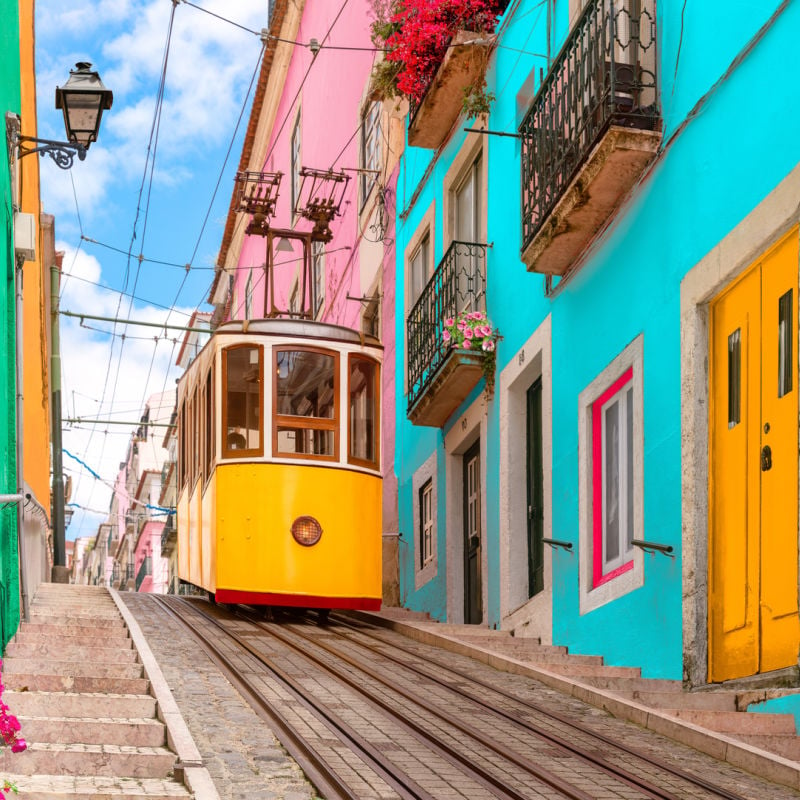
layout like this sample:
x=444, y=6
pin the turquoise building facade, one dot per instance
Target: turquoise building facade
x=608, y=305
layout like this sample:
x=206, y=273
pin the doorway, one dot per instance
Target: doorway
x=473, y=594
x=753, y=472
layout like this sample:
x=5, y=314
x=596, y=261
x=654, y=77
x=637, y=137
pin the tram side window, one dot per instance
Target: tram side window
x=363, y=444
x=181, y=445
x=242, y=402
x=306, y=403
x=209, y=423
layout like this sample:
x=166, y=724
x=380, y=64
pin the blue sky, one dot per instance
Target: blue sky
x=210, y=66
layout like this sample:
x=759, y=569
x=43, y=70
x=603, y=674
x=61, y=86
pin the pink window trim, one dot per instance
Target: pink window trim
x=598, y=579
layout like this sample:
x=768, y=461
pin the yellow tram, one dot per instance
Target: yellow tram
x=279, y=499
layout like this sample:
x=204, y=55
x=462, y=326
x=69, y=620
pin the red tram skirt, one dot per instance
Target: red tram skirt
x=234, y=596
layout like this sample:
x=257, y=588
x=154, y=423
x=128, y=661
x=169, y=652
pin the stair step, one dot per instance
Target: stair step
x=569, y=669
x=701, y=701
x=87, y=668
x=79, y=705
x=628, y=684
x=50, y=614
x=32, y=633
x=786, y=745
x=92, y=730
x=69, y=652
x=84, y=787
x=736, y=722
x=62, y=621
x=89, y=759
x=30, y=682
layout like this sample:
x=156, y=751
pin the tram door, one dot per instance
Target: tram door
x=535, y=489
x=473, y=595
x=753, y=549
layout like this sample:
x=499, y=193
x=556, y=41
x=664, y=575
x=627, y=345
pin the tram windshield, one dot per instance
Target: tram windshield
x=306, y=403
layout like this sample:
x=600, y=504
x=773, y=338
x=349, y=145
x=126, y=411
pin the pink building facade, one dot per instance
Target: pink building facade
x=314, y=111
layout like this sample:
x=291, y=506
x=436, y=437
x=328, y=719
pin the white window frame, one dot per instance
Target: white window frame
x=426, y=523
x=426, y=473
x=317, y=277
x=593, y=595
x=295, y=145
x=370, y=149
x=427, y=270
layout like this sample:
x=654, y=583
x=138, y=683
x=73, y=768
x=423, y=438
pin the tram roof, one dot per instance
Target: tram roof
x=300, y=328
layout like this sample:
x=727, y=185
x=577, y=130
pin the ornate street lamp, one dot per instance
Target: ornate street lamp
x=83, y=98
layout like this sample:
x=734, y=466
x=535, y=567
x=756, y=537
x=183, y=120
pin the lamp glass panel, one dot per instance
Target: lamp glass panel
x=82, y=115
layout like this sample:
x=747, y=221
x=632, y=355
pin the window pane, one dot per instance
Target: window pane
x=734, y=378
x=785, y=344
x=426, y=522
x=362, y=410
x=629, y=468
x=243, y=398
x=305, y=384
x=209, y=431
x=305, y=441
x=611, y=478
x=419, y=270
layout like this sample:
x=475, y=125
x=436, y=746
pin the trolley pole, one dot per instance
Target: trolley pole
x=59, y=546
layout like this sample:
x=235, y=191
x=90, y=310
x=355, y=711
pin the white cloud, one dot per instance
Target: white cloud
x=93, y=372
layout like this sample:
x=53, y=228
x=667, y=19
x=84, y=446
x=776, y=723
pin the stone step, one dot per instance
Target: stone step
x=546, y=659
x=579, y=671
x=76, y=621
x=51, y=613
x=628, y=684
x=736, y=722
x=71, y=652
x=73, y=668
x=69, y=787
x=786, y=745
x=29, y=682
x=704, y=701
x=46, y=758
x=77, y=635
x=74, y=704
x=90, y=730
x=515, y=647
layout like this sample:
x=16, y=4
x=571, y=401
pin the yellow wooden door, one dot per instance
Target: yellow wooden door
x=753, y=547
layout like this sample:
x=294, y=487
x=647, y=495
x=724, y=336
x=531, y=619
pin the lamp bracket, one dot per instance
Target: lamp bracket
x=63, y=153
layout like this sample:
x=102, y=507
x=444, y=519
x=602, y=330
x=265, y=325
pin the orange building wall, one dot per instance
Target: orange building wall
x=36, y=286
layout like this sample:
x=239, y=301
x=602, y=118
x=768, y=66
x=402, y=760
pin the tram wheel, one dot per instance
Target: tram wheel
x=322, y=616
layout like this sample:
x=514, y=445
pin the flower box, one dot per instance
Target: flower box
x=443, y=102
x=458, y=375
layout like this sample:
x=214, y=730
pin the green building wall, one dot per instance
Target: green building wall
x=9, y=557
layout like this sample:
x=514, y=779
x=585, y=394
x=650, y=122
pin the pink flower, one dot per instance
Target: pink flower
x=18, y=746
x=487, y=330
x=467, y=345
x=446, y=336
x=468, y=333
x=488, y=345
x=449, y=322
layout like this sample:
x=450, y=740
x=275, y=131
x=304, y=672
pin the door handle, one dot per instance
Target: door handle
x=766, y=458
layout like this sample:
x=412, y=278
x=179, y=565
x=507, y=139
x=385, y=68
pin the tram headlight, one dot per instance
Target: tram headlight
x=306, y=531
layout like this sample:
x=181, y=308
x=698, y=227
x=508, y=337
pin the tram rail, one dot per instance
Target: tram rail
x=507, y=773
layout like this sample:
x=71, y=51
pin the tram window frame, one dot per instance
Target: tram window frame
x=376, y=413
x=196, y=444
x=306, y=423
x=209, y=437
x=228, y=452
x=182, y=445
x=201, y=439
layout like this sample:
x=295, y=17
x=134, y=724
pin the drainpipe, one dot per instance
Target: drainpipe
x=23, y=581
x=59, y=547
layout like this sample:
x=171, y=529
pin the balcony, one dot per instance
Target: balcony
x=169, y=536
x=144, y=570
x=440, y=378
x=463, y=63
x=592, y=128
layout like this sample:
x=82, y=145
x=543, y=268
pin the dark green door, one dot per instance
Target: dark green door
x=535, y=489
x=473, y=605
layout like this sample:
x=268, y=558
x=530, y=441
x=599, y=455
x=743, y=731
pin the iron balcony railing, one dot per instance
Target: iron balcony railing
x=458, y=284
x=605, y=74
x=167, y=531
x=144, y=571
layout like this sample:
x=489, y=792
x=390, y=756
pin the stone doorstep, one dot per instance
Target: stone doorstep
x=72, y=668
x=69, y=652
x=93, y=730
x=71, y=704
x=77, y=635
x=31, y=682
x=83, y=787
x=710, y=732
x=89, y=759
